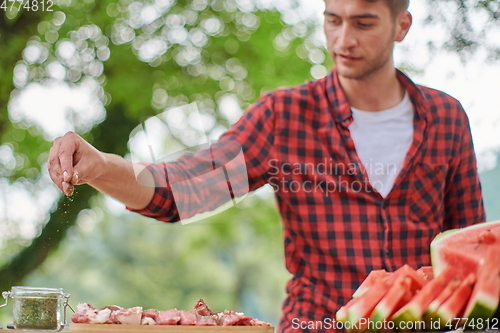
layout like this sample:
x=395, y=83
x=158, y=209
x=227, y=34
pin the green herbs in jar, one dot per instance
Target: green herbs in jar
x=36, y=313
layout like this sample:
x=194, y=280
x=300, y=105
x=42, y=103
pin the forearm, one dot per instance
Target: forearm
x=119, y=181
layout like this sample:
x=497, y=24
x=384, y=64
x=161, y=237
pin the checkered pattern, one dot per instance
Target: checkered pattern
x=337, y=228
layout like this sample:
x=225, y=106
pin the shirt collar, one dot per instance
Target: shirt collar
x=342, y=110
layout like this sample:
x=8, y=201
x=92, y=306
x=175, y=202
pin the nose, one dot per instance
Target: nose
x=346, y=38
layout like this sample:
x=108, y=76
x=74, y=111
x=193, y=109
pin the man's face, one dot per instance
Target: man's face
x=361, y=34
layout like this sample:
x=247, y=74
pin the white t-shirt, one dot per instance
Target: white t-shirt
x=382, y=139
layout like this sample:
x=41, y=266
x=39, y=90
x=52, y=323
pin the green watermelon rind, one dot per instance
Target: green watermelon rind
x=427, y=313
x=431, y=309
x=409, y=314
x=482, y=311
x=484, y=307
x=435, y=259
x=353, y=317
x=341, y=315
x=441, y=320
x=444, y=315
x=379, y=314
x=354, y=327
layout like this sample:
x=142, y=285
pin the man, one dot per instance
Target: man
x=367, y=166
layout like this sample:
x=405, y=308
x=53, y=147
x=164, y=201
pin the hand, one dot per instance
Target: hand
x=73, y=161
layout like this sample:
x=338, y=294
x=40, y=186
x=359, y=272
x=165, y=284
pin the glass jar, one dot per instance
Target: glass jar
x=37, y=309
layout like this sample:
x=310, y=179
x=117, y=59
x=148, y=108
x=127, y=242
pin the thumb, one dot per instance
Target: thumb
x=83, y=172
x=76, y=176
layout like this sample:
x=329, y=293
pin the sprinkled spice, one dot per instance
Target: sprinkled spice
x=36, y=313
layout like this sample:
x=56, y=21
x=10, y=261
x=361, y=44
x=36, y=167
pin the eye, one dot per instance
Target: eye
x=364, y=25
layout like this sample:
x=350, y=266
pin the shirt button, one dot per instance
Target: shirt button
x=388, y=253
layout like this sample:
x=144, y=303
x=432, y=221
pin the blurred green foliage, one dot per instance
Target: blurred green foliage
x=136, y=59
x=471, y=27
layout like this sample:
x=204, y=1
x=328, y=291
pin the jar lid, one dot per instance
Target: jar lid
x=36, y=292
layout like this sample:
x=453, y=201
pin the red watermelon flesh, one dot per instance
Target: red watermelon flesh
x=454, y=306
x=416, y=279
x=416, y=307
x=408, y=295
x=364, y=305
x=370, y=280
x=466, y=262
x=426, y=272
x=442, y=297
x=464, y=248
x=486, y=294
x=392, y=300
x=457, y=256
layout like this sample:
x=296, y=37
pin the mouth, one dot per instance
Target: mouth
x=346, y=57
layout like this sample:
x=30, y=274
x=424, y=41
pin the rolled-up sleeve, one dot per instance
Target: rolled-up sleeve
x=236, y=164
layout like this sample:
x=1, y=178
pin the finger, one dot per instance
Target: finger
x=82, y=172
x=56, y=180
x=68, y=147
x=68, y=188
x=71, y=190
x=53, y=164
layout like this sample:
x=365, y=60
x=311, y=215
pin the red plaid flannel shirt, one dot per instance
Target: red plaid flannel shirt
x=337, y=228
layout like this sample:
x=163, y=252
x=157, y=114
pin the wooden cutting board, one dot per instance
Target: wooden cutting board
x=96, y=328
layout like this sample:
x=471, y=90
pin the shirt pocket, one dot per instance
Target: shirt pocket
x=426, y=193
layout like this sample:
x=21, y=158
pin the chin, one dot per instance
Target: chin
x=349, y=73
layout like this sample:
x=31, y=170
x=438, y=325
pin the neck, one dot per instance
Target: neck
x=378, y=91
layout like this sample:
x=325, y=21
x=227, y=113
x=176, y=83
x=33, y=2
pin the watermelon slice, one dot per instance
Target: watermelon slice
x=370, y=280
x=442, y=297
x=426, y=272
x=406, y=298
x=342, y=312
x=416, y=307
x=364, y=305
x=416, y=279
x=445, y=291
x=464, y=248
x=384, y=297
x=453, y=307
x=389, y=303
x=486, y=294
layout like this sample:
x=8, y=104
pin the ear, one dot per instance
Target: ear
x=403, y=24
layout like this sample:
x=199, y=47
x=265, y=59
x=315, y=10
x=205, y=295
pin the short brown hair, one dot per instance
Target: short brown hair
x=396, y=6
